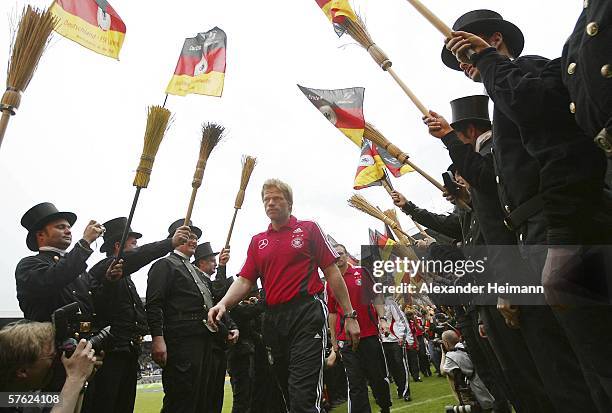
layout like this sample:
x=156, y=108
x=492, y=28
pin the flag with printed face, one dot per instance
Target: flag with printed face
x=201, y=65
x=93, y=24
x=336, y=11
x=342, y=107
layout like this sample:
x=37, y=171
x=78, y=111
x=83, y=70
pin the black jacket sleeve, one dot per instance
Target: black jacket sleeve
x=37, y=276
x=449, y=225
x=145, y=254
x=157, y=284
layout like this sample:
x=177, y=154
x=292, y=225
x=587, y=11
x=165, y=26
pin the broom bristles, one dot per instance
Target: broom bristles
x=399, y=231
x=158, y=121
x=29, y=42
x=359, y=32
x=248, y=164
x=212, y=133
x=359, y=202
x=371, y=133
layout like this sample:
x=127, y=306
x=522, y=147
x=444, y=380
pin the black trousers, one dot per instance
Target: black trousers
x=557, y=359
x=296, y=335
x=412, y=356
x=366, y=365
x=186, y=375
x=423, y=359
x=517, y=364
x=216, y=387
x=484, y=361
x=267, y=396
x=113, y=388
x=398, y=367
x=241, y=368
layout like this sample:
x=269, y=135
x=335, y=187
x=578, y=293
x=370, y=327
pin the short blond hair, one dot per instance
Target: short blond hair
x=281, y=186
x=21, y=344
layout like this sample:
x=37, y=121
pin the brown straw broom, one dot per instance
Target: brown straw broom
x=211, y=135
x=358, y=31
x=248, y=164
x=158, y=121
x=29, y=42
x=359, y=202
x=379, y=139
x=406, y=240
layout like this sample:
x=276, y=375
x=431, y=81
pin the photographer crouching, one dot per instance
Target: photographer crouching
x=28, y=358
x=471, y=392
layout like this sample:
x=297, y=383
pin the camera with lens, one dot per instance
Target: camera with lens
x=70, y=327
x=467, y=399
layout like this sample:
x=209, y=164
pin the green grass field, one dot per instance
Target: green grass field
x=430, y=396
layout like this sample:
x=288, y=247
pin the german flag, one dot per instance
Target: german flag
x=394, y=166
x=91, y=23
x=336, y=11
x=371, y=169
x=201, y=65
x=342, y=107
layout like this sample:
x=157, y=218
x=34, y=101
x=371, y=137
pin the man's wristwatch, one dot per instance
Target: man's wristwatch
x=352, y=314
x=382, y=317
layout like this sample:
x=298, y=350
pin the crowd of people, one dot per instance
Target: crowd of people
x=533, y=198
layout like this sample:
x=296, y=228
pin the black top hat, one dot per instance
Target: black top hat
x=485, y=21
x=114, y=231
x=470, y=108
x=202, y=251
x=40, y=215
x=179, y=223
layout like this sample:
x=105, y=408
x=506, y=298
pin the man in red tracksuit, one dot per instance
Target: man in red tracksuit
x=287, y=257
x=367, y=364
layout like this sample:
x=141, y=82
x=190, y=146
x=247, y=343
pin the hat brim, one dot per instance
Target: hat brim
x=31, y=237
x=110, y=241
x=201, y=257
x=455, y=123
x=513, y=37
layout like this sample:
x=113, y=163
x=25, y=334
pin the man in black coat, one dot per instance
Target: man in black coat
x=55, y=277
x=525, y=163
x=469, y=144
x=206, y=261
x=587, y=72
x=178, y=299
x=118, y=304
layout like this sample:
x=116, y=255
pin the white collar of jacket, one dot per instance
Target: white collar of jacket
x=180, y=254
x=482, y=139
x=53, y=249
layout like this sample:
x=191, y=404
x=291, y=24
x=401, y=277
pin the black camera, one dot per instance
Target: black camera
x=70, y=327
x=467, y=399
x=450, y=184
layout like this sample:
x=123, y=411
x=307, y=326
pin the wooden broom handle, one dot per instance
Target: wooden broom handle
x=231, y=229
x=408, y=92
x=387, y=187
x=436, y=22
x=6, y=115
x=433, y=19
x=194, y=191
